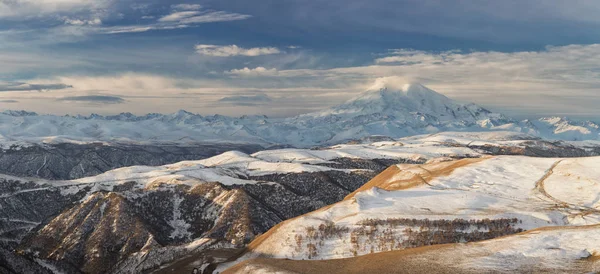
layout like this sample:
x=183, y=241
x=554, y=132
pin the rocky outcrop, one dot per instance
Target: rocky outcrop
x=12, y=263
x=98, y=231
x=92, y=235
x=540, y=148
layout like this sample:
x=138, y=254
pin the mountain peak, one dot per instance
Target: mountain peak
x=393, y=95
x=395, y=83
x=410, y=106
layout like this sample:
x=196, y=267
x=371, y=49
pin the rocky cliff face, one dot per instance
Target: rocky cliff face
x=95, y=230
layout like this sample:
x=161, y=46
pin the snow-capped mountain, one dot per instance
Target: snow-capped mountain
x=386, y=109
x=396, y=111
x=412, y=104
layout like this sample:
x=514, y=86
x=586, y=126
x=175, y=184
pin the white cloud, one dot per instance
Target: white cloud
x=177, y=16
x=258, y=71
x=20, y=8
x=214, y=16
x=182, y=16
x=198, y=17
x=563, y=80
x=233, y=50
x=82, y=22
x=130, y=82
x=85, y=17
x=146, y=93
x=556, y=80
x=186, y=7
x=192, y=14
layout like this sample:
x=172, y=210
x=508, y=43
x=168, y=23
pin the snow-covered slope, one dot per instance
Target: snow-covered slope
x=173, y=211
x=546, y=250
x=412, y=104
x=444, y=202
x=384, y=109
x=160, y=211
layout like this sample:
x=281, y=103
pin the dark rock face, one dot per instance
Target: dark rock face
x=537, y=148
x=376, y=165
x=26, y=205
x=73, y=161
x=13, y=263
x=326, y=187
x=96, y=231
x=92, y=235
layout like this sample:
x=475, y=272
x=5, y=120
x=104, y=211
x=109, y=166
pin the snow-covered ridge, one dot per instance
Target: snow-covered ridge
x=385, y=109
x=525, y=192
x=546, y=250
x=234, y=167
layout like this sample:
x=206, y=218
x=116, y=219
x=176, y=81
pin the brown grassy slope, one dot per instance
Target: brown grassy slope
x=447, y=258
x=399, y=177
x=432, y=171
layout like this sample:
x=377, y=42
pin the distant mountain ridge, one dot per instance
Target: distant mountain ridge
x=387, y=108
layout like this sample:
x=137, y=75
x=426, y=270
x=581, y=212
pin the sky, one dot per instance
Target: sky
x=525, y=58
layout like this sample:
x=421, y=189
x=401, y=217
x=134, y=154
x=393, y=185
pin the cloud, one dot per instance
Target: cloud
x=411, y=57
x=94, y=99
x=19, y=8
x=18, y=86
x=8, y=101
x=258, y=71
x=214, y=16
x=244, y=100
x=82, y=18
x=555, y=80
x=186, y=7
x=561, y=79
x=129, y=82
x=138, y=28
x=233, y=50
x=182, y=16
x=82, y=22
x=192, y=14
x=177, y=16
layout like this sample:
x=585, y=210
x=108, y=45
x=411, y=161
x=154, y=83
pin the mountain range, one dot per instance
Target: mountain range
x=384, y=109
x=397, y=167
x=139, y=218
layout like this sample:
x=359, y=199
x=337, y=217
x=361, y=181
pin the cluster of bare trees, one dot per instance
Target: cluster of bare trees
x=377, y=235
x=318, y=235
x=434, y=237
x=326, y=231
x=455, y=224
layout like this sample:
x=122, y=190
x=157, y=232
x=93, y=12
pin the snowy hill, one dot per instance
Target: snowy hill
x=545, y=250
x=387, y=109
x=409, y=206
x=177, y=211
